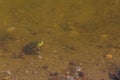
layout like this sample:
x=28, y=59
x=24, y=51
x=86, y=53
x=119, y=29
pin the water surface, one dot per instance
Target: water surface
x=81, y=31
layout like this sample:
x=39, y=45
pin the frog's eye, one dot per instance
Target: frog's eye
x=40, y=43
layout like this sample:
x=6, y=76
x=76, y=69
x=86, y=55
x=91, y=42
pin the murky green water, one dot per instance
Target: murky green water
x=82, y=31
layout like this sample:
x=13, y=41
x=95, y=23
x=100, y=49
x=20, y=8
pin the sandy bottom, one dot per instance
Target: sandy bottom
x=84, y=32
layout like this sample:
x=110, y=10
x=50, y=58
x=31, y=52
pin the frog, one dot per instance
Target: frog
x=33, y=47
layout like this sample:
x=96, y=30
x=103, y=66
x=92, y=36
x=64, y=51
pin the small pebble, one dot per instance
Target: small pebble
x=78, y=68
x=54, y=74
x=109, y=56
x=35, y=72
x=45, y=67
x=81, y=74
x=26, y=71
x=40, y=57
x=70, y=78
x=104, y=35
x=7, y=78
x=71, y=63
x=18, y=40
x=8, y=72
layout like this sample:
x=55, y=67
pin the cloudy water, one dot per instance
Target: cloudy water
x=80, y=33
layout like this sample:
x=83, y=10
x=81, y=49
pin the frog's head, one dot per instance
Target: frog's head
x=37, y=43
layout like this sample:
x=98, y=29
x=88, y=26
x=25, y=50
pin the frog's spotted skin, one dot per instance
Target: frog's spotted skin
x=33, y=47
